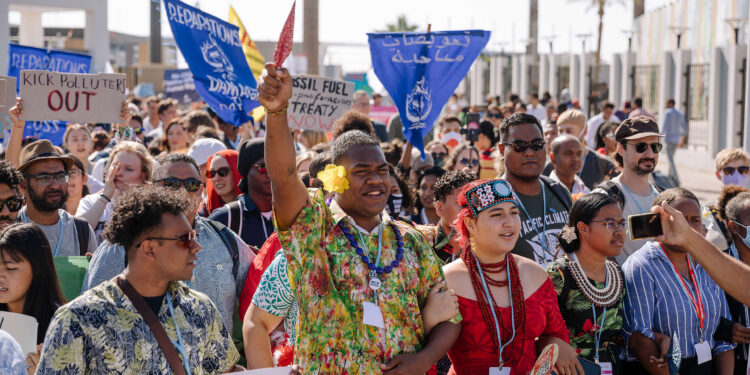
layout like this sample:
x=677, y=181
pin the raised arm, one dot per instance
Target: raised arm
x=13, y=153
x=289, y=194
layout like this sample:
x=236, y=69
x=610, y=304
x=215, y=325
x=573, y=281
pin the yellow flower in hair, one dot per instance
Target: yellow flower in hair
x=334, y=178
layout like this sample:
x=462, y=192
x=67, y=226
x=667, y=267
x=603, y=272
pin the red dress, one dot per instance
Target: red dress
x=474, y=352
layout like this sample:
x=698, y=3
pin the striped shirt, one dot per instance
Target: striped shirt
x=656, y=301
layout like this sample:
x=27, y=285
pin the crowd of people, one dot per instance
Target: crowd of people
x=213, y=247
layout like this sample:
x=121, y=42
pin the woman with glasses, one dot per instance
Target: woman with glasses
x=28, y=280
x=129, y=164
x=590, y=287
x=222, y=179
x=464, y=157
x=669, y=293
x=77, y=187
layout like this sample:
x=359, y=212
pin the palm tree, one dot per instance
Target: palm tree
x=401, y=25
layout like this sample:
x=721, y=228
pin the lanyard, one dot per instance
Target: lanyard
x=597, y=335
x=494, y=314
x=425, y=219
x=583, y=164
x=181, y=345
x=733, y=251
x=373, y=274
x=262, y=224
x=59, y=235
x=542, y=235
x=640, y=209
x=696, y=300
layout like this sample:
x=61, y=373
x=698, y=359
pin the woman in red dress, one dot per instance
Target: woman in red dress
x=523, y=299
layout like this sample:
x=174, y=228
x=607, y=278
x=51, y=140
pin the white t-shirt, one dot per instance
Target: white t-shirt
x=592, y=127
x=634, y=204
x=539, y=112
x=85, y=205
x=94, y=185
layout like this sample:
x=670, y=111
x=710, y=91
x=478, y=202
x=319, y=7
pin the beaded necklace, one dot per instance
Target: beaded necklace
x=604, y=297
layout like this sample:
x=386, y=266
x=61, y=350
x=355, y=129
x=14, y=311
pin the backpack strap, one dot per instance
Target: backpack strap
x=234, y=220
x=229, y=242
x=560, y=191
x=82, y=230
x=613, y=190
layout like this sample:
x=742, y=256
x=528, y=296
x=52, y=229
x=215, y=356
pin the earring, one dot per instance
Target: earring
x=473, y=243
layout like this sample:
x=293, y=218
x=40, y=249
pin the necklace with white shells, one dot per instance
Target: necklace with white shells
x=604, y=297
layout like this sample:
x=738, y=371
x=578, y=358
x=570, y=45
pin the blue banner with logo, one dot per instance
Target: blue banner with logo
x=32, y=58
x=178, y=85
x=422, y=70
x=213, y=51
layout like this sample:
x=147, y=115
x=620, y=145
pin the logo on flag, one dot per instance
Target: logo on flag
x=213, y=51
x=420, y=71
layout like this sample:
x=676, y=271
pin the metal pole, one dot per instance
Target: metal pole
x=155, y=48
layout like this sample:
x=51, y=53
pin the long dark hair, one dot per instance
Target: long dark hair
x=584, y=210
x=26, y=241
x=79, y=164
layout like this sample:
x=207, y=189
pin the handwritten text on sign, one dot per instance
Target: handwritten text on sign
x=317, y=102
x=72, y=97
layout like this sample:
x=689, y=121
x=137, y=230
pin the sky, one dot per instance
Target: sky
x=348, y=21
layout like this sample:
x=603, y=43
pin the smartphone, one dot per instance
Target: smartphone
x=644, y=226
x=472, y=127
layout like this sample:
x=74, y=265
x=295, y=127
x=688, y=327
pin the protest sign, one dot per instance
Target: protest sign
x=32, y=58
x=213, y=51
x=22, y=328
x=7, y=93
x=317, y=102
x=178, y=85
x=421, y=70
x=72, y=97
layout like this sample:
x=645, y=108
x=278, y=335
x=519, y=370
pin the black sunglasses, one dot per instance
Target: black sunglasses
x=222, y=172
x=465, y=161
x=521, y=146
x=727, y=170
x=14, y=204
x=439, y=155
x=641, y=147
x=495, y=115
x=190, y=184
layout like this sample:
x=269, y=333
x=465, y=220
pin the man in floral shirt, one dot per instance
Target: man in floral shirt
x=360, y=279
x=101, y=332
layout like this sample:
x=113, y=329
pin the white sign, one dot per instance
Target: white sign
x=22, y=328
x=317, y=102
x=267, y=371
x=72, y=97
x=7, y=93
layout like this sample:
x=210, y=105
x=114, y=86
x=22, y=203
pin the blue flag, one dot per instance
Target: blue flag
x=32, y=58
x=213, y=51
x=421, y=71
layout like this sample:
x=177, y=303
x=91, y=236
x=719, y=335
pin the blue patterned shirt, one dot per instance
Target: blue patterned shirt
x=656, y=301
x=12, y=360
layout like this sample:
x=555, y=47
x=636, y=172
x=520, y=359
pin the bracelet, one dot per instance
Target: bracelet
x=105, y=198
x=282, y=110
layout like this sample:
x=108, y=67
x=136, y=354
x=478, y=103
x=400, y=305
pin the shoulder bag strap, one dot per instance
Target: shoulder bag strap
x=166, y=345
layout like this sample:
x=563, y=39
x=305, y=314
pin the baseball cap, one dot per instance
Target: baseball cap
x=636, y=128
x=40, y=150
x=204, y=148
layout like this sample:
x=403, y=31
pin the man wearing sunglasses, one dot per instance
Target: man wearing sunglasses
x=544, y=202
x=145, y=319
x=638, y=146
x=222, y=263
x=11, y=199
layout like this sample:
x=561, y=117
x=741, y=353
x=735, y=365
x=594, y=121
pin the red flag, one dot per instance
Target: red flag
x=284, y=46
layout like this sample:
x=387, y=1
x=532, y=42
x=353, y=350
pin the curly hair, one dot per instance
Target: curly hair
x=737, y=204
x=353, y=120
x=450, y=181
x=727, y=194
x=138, y=211
x=9, y=175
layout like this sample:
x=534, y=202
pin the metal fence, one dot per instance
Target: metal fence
x=696, y=108
x=645, y=79
x=563, y=79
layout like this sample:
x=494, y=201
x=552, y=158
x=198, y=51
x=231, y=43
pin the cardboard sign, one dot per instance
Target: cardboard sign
x=22, y=328
x=317, y=102
x=72, y=97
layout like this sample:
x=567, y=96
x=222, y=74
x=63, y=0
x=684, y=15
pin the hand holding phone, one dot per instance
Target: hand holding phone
x=644, y=226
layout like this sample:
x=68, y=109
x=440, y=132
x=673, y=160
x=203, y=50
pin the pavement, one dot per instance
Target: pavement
x=696, y=173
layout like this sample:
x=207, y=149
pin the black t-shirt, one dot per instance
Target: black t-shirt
x=530, y=240
x=154, y=303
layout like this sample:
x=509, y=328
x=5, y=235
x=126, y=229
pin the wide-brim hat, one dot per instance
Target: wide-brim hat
x=42, y=150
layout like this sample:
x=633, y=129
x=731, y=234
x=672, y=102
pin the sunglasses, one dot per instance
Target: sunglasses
x=261, y=168
x=521, y=146
x=184, y=240
x=610, y=135
x=45, y=179
x=465, y=161
x=495, y=115
x=13, y=203
x=190, y=184
x=222, y=172
x=439, y=155
x=730, y=170
x=641, y=147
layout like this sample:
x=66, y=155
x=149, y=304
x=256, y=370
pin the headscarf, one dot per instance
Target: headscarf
x=212, y=196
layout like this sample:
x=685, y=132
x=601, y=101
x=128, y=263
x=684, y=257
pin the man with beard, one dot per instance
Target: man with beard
x=45, y=186
x=638, y=149
x=250, y=215
x=11, y=200
x=223, y=260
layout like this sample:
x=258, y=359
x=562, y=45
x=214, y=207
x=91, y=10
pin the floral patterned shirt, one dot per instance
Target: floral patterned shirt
x=101, y=332
x=275, y=295
x=330, y=282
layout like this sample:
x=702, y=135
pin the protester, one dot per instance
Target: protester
x=144, y=303
x=152, y=120
x=333, y=332
x=232, y=138
x=166, y=111
x=486, y=143
x=638, y=110
x=202, y=150
x=77, y=187
x=732, y=170
x=660, y=299
x=543, y=202
x=222, y=181
x=439, y=152
x=400, y=198
x=194, y=120
x=623, y=113
x=464, y=157
x=11, y=356
x=175, y=140
x=78, y=142
x=250, y=214
x=129, y=165
x=566, y=154
x=488, y=226
x=426, y=180
x=361, y=104
x=10, y=196
x=732, y=167
x=303, y=161
x=311, y=138
x=136, y=126
x=590, y=288
x=535, y=109
x=494, y=116
x=674, y=130
x=638, y=150
x=592, y=126
x=449, y=132
x=605, y=138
